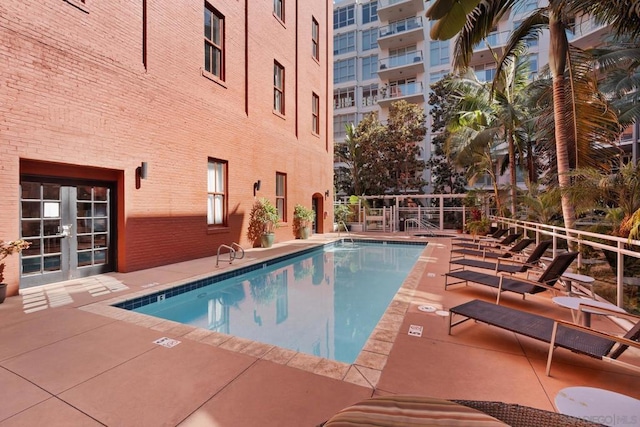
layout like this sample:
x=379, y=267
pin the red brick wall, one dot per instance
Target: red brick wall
x=74, y=91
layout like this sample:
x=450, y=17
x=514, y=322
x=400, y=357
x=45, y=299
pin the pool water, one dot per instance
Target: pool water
x=324, y=303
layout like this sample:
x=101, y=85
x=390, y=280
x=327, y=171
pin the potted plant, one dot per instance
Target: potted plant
x=6, y=249
x=263, y=221
x=302, y=219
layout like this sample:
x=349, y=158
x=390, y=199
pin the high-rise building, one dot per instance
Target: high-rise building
x=383, y=53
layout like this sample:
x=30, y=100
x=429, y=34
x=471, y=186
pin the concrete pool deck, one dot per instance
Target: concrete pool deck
x=69, y=358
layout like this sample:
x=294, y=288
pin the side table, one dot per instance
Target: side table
x=598, y=406
x=573, y=303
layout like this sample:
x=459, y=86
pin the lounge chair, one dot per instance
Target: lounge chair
x=508, y=265
x=484, y=245
x=558, y=333
x=519, y=285
x=492, y=236
x=492, y=253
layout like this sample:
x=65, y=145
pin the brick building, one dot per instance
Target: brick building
x=132, y=134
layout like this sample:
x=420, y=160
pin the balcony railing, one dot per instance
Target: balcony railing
x=402, y=26
x=402, y=90
x=493, y=40
x=408, y=58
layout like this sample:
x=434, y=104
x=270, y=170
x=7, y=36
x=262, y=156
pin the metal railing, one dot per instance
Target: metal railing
x=402, y=26
x=401, y=60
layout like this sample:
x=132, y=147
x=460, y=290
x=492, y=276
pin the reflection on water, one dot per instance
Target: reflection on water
x=324, y=303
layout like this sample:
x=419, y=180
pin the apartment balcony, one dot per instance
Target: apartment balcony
x=412, y=92
x=394, y=10
x=495, y=41
x=588, y=34
x=401, y=33
x=401, y=66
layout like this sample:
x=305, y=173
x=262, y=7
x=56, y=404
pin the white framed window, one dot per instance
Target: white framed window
x=213, y=42
x=278, y=87
x=370, y=12
x=278, y=9
x=370, y=39
x=370, y=67
x=315, y=39
x=439, y=52
x=344, y=71
x=281, y=195
x=344, y=97
x=216, y=192
x=315, y=113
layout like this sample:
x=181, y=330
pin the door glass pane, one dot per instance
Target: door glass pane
x=100, y=209
x=34, y=249
x=100, y=257
x=84, y=192
x=52, y=245
x=51, y=227
x=84, y=259
x=100, y=241
x=30, y=190
x=100, y=225
x=84, y=209
x=52, y=263
x=84, y=226
x=31, y=209
x=100, y=193
x=31, y=228
x=31, y=265
x=51, y=191
x=85, y=242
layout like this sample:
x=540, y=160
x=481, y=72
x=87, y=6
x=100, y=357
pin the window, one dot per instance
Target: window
x=344, y=98
x=278, y=88
x=343, y=43
x=339, y=122
x=369, y=95
x=344, y=71
x=533, y=65
x=370, y=39
x=278, y=9
x=370, y=67
x=434, y=77
x=315, y=38
x=315, y=113
x=344, y=16
x=281, y=196
x=213, y=42
x=370, y=12
x=532, y=40
x=217, y=192
x=439, y=52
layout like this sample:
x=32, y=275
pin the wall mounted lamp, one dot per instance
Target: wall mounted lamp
x=326, y=194
x=142, y=172
x=256, y=187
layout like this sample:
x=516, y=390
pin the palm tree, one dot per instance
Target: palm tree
x=474, y=19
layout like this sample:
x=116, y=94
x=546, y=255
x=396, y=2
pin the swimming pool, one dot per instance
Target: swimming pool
x=324, y=302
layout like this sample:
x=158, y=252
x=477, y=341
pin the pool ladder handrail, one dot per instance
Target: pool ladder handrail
x=232, y=253
x=238, y=249
x=341, y=223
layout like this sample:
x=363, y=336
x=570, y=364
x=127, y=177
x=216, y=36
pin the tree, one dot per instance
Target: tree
x=379, y=158
x=445, y=176
x=405, y=129
x=474, y=19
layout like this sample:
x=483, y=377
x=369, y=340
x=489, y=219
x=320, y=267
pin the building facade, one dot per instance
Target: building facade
x=383, y=52
x=138, y=134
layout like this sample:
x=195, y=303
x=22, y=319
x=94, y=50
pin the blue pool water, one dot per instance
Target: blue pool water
x=324, y=302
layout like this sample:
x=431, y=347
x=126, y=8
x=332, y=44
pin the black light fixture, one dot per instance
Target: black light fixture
x=256, y=187
x=326, y=194
x=142, y=172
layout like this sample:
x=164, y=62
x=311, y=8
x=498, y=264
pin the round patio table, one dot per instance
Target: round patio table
x=599, y=406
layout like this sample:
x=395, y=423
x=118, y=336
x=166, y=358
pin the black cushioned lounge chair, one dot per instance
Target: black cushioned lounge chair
x=519, y=285
x=492, y=253
x=558, y=333
x=508, y=265
x=493, y=236
x=484, y=245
